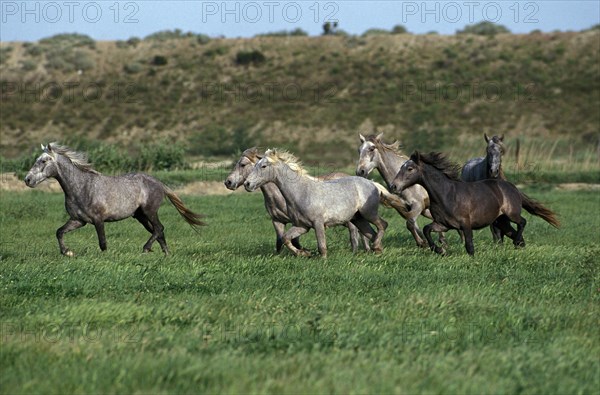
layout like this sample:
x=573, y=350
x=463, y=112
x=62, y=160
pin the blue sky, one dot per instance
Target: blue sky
x=111, y=20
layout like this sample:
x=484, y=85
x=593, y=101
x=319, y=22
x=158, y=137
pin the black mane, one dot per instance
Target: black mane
x=441, y=163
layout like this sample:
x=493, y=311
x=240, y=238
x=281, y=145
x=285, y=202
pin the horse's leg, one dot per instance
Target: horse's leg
x=497, y=234
x=468, y=232
x=279, y=230
x=364, y=227
x=502, y=223
x=99, y=225
x=321, y=239
x=354, y=236
x=519, y=241
x=434, y=227
x=292, y=233
x=381, y=225
x=71, y=224
x=157, y=234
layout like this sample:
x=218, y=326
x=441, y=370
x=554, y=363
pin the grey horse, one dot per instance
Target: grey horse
x=320, y=204
x=375, y=154
x=487, y=167
x=274, y=201
x=93, y=198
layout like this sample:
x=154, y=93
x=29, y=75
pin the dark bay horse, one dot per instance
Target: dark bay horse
x=93, y=198
x=314, y=204
x=487, y=167
x=465, y=206
x=274, y=200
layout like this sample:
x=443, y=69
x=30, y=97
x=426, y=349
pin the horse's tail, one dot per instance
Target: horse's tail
x=390, y=200
x=536, y=208
x=188, y=215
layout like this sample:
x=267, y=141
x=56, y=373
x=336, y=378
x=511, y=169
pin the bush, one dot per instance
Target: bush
x=484, y=28
x=202, y=39
x=5, y=53
x=34, y=50
x=285, y=33
x=250, y=57
x=28, y=65
x=399, y=29
x=164, y=35
x=133, y=68
x=69, y=40
x=159, y=60
x=375, y=32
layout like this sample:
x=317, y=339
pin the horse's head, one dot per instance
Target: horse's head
x=242, y=168
x=45, y=166
x=409, y=174
x=261, y=173
x=369, y=155
x=494, y=151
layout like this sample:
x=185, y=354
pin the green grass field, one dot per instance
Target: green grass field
x=223, y=314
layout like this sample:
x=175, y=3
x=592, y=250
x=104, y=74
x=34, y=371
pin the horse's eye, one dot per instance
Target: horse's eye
x=371, y=149
x=263, y=167
x=242, y=165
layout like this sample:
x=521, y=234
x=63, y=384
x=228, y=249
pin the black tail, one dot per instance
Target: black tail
x=536, y=208
x=190, y=217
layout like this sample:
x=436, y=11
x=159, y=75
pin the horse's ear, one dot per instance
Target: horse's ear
x=362, y=138
x=487, y=139
x=44, y=148
x=416, y=157
x=379, y=136
x=49, y=148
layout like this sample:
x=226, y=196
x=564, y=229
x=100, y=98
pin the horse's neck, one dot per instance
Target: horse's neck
x=438, y=186
x=293, y=190
x=70, y=177
x=390, y=165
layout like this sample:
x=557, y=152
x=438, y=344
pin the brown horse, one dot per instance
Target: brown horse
x=465, y=206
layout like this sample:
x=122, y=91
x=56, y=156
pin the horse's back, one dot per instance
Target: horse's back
x=473, y=170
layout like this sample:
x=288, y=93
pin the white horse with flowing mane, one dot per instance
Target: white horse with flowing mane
x=319, y=204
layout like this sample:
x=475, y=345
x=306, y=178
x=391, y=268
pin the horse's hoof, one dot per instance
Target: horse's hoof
x=378, y=251
x=440, y=250
x=69, y=253
x=303, y=253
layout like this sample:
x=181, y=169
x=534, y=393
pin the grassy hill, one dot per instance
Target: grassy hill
x=310, y=94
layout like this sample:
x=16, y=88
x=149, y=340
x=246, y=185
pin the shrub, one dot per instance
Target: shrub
x=250, y=57
x=399, y=29
x=211, y=53
x=375, y=32
x=484, y=28
x=159, y=60
x=28, y=65
x=202, y=39
x=34, y=50
x=69, y=40
x=5, y=53
x=285, y=33
x=133, y=68
x=133, y=41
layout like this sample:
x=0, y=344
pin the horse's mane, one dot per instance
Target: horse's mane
x=499, y=142
x=79, y=159
x=274, y=155
x=441, y=163
x=254, y=154
x=393, y=147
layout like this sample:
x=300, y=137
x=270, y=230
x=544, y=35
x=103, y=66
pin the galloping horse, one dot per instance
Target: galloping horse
x=487, y=167
x=387, y=158
x=92, y=198
x=320, y=204
x=274, y=201
x=465, y=206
